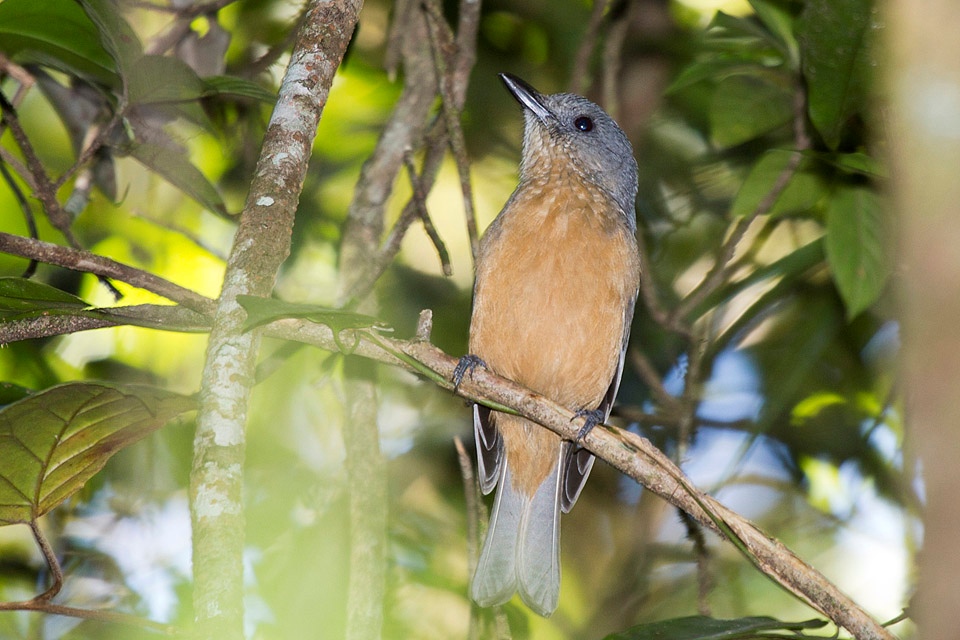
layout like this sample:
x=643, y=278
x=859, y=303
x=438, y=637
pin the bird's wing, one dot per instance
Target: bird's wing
x=489, y=448
x=579, y=460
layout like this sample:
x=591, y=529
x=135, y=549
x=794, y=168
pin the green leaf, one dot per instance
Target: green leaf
x=780, y=23
x=745, y=107
x=263, y=310
x=19, y=295
x=176, y=168
x=162, y=79
x=238, y=87
x=10, y=392
x=53, y=441
x=704, y=628
x=805, y=190
x=835, y=43
x=116, y=35
x=861, y=164
x=55, y=33
x=855, y=247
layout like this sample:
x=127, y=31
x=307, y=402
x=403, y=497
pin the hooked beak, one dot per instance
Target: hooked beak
x=527, y=96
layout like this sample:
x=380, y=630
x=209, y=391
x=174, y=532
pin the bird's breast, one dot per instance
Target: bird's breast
x=555, y=273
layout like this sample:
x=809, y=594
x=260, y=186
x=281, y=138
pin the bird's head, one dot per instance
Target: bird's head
x=568, y=132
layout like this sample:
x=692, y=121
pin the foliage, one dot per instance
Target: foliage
x=762, y=347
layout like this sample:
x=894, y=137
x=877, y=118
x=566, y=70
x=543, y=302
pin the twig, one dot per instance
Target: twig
x=43, y=606
x=419, y=200
x=435, y=144
x=51, y=559
x=474, y=514
x=612, y=50
x=580, y=73
x=45, y=189
x=361, y=260
x=720, y=271
x=80, y=260
x=627, y=452
x=442, y=46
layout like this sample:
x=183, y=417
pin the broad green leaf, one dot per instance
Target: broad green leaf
x=835, y=42
x=263, y=310
x=239, y=87
x=55, y=33
x=802, y=194
x=745, y=107
x=855, y=247
x=54, y=441
x=21, y=296
x=704, y=628
x=176, y=168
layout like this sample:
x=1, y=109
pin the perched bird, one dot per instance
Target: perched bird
x=557, y=277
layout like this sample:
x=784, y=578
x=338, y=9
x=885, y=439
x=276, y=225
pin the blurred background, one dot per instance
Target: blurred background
x=775, y=390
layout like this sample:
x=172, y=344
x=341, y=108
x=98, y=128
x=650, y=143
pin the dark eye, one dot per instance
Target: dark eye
x=583, y=123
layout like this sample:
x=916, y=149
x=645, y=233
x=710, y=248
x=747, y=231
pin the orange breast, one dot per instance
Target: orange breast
x=555, y=273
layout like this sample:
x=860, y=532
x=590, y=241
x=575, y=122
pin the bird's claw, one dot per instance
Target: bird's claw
x=466, y=365
x=592, y=418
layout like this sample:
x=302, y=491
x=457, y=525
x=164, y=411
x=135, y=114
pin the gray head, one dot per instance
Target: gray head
x=567, y=128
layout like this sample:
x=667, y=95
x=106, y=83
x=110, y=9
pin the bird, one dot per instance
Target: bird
x=556, y=282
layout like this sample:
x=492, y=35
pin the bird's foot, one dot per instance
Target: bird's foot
x=593, y=417
x=466, y=365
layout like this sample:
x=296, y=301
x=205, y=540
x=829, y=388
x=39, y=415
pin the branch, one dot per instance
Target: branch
x=154, y=316
x=80, y=260
x=261, y=245
x=629, y=453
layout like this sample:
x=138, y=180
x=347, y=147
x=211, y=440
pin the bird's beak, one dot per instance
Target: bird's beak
x=527, y=96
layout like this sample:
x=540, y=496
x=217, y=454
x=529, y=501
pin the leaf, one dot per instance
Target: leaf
x=10, y=392
x=835, y=42
x=802, y=193
x=861, y=164
x=704, y=628
x=116, y=35
x=55, y=33
x=53, y=441
x=745, y=107
x=238, y=87
x=20, y=294
x=855, y=248
x=780, y=23
x=162, y=79
x=176, y=168
x=263, y=310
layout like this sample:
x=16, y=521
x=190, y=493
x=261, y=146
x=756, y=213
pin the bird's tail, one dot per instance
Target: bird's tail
x=522, y=548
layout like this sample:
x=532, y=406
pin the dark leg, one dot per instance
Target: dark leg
x=466, y=365
x=593, y=418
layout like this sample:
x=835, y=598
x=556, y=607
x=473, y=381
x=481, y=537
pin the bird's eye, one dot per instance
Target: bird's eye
x=583, y=123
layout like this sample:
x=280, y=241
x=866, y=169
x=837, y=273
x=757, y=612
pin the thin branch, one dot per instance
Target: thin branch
x=51, y=559
x=443, y=47
x=580, y=73
x=80, y=260
x=43, y=606
x=612, y=56
x=721, y=269
x=627, y=452
x=361, y=261
x=45, y=190
x=420, y=202
x=154, y=316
